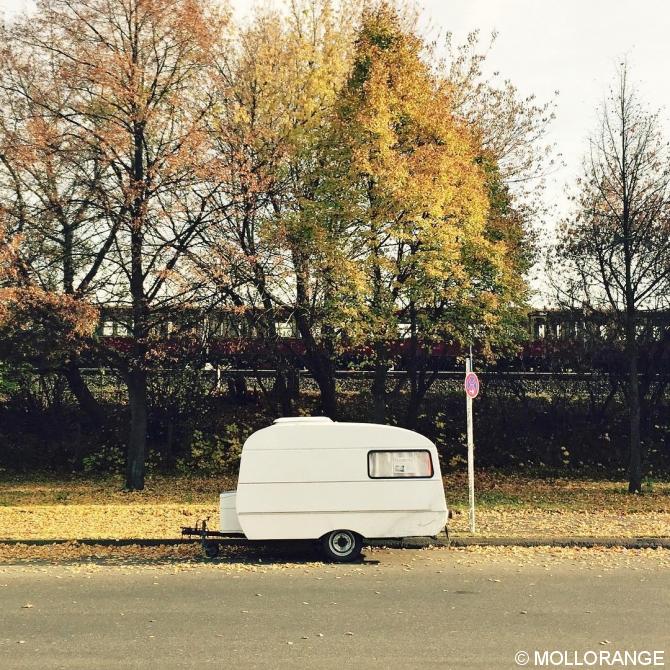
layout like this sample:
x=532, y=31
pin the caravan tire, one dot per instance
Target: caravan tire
x=211, y=549
x=342, y=546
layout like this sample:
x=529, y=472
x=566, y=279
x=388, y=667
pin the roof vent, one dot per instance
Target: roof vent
x=303, y=420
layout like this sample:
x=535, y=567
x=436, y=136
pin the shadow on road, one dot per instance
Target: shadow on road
x=271, y=553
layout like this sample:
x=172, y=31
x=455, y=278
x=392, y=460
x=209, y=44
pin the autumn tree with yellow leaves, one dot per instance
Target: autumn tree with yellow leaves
x=364, y=196
x=423, y=202
x=276, y=89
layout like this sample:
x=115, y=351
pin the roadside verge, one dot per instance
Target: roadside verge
x=406, y=543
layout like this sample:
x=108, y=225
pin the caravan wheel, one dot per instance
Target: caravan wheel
x=342, y=546
x=211, y=549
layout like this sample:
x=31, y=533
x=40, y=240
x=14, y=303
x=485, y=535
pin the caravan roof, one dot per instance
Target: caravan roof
x=323, y=433
x=303, y=420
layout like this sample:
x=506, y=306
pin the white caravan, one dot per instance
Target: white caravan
x=312, y=478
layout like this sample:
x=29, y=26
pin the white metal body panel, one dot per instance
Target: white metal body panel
x=303, y=465
x=300, y=479
x=228, y=521
x=313, y=525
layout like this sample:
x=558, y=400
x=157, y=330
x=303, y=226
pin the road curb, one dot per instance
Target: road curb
x=585, y=542
x=105, y=542
x=406, y=543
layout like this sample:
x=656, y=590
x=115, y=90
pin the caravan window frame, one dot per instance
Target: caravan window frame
x=404, y=451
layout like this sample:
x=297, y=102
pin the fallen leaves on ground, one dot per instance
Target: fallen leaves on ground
x=542, y=523
x=507, y=506
x=111, y=520
x=518, y=506
x=23, y=491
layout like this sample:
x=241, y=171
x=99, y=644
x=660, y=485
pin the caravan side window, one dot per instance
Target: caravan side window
x=392, y=464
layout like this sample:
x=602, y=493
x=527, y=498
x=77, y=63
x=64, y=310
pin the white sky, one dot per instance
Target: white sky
x=570, y=46
x=573, y=47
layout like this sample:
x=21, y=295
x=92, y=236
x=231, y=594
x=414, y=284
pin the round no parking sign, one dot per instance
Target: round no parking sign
x=471, y=385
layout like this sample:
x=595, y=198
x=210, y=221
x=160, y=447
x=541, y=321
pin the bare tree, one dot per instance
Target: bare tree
x=614, y=255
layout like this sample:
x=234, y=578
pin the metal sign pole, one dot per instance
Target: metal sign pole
x=471, y=451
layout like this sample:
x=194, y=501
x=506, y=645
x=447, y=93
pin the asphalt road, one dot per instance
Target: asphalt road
x=400, y=609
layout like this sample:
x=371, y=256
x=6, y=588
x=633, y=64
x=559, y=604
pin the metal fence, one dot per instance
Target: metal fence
x=108, y=386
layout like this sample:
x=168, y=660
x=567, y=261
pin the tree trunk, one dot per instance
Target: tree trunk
x=293, y=383
x=379, y=383
x=632, y=353
x=169, y=460
x=326, y=383
x=415, y=397
x=137, y=399
x=321, y=366
x=635, y=446
x=137, y=369
x=379, y=393
x=283, y=391
x=418, y=390
x=82, y=393
x=319, y=356
x=412, y=414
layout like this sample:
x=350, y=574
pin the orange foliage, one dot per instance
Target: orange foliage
x=40, y=326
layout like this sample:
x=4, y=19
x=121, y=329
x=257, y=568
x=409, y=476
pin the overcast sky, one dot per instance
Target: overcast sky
x=572, y=46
